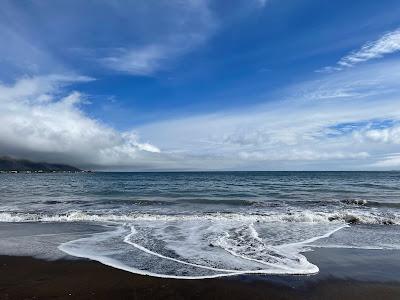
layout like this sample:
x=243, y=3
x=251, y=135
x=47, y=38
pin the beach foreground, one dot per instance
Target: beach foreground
x=30, y=278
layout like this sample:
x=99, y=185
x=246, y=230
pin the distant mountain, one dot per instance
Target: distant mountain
x=8, y=164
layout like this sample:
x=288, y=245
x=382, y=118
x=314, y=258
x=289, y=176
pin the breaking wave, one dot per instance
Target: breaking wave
x=307, y=216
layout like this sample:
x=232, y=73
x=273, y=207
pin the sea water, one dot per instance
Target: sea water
x=193, y=225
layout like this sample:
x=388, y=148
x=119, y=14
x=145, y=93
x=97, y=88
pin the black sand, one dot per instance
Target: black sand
x=29, y=278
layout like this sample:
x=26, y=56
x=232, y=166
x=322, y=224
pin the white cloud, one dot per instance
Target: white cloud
x=143, y=61
x=300, y=128
x=41, y=122
x=57, y=130
x=304, y=155
x=389, y=135
x=388, y=161
x=135, y=37
x=190, y=23
x=355, y=83
x=387, y=44
x=39, y=88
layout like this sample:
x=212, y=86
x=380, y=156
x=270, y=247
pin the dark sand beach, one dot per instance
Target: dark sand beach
x=30, y=278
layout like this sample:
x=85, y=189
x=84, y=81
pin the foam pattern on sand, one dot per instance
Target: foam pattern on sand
x=197, y=249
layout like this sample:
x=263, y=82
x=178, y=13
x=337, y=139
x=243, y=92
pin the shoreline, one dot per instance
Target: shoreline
x=31, y=278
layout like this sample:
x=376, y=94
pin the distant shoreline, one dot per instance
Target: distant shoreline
x=41, y=172
x=14, y=165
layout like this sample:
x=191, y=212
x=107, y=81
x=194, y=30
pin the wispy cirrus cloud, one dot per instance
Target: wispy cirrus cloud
x=386, y=44
x=138, y=38
x=133, y=37
x=186, y=25
x=140, y=61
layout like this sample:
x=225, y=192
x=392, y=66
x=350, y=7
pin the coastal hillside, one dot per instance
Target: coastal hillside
x=8, y=164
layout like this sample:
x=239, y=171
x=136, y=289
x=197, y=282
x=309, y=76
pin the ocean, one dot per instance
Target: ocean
x=194, y=225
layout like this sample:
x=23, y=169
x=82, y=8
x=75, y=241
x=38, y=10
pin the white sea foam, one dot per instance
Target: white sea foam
x=305, y=216
x=197, y=246
x=245, y=243
x=133, y=232
x=82, y=248
x=240, y=245
x=311, y=240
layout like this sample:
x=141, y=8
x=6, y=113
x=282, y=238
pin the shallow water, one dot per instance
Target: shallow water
x=199, y=225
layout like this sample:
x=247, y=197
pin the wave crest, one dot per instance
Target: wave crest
x=344, y=216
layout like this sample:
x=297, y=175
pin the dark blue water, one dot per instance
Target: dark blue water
x=210, y=224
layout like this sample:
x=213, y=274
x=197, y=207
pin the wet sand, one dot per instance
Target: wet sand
x=30, y=278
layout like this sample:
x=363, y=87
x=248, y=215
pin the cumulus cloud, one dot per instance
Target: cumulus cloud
x=385, y=135
x=386, y=44
x=38, y=123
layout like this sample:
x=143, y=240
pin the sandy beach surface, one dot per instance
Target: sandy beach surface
x=30, y=278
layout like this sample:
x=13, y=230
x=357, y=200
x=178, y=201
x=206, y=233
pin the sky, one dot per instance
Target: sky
x=187, y=85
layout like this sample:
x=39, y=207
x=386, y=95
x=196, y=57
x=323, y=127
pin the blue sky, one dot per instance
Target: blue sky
x=202, y=85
